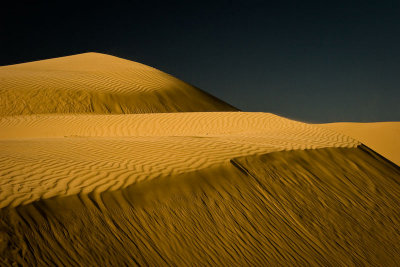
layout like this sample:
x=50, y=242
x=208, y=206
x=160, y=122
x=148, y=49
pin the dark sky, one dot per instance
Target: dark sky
x=315, y=61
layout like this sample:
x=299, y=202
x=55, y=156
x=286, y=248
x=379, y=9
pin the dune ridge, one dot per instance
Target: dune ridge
x=97, y=83
x=108, y=162
x=87, y=153
x=329, y=206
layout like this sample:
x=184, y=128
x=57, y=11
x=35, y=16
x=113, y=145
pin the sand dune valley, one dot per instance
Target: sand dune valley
x=109, y=162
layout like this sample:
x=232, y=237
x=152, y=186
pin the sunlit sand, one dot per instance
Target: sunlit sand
x=105, y=161
x=383, y=137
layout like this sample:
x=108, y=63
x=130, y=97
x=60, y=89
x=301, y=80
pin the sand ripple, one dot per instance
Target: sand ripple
x=97, y=83
x=44, y=156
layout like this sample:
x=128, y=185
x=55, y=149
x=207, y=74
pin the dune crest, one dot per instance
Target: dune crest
x=86, y=180
x=330, y=206
x=97, y=83
x=44, y=156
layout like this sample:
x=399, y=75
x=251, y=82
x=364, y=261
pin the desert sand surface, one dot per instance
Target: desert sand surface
x=97, y=153
x=139, y=183
x=382, y=137
x=97, y=83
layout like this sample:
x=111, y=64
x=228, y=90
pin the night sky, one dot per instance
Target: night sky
x=315, y=61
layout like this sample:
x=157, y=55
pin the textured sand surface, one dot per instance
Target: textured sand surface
x=329, y=207
x=80, y=186
x=97, y=83
x=50, y=155
x=383, y=137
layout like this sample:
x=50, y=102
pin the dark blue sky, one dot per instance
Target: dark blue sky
x=315, y=61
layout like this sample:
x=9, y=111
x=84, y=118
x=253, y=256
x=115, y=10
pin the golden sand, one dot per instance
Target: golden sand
x=86, y=180
x=97, y=83
x=44, y=156
x=383, y=137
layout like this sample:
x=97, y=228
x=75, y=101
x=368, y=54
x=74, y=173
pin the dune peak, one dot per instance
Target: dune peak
x=97, y=83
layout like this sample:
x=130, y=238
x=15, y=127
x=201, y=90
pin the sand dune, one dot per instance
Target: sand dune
x=84, y=182
x=330, y=207
x=383, y=137
x=50, y=155
x=97, y=83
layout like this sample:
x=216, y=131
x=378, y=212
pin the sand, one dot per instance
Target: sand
x=383, y=137
x=97, y=83
x=82, y=186
x=97, y=153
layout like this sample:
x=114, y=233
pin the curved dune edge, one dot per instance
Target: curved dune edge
x=102, y=153
x=331, y=206
x=100, y=84
x=87, y=181
x=383, y=137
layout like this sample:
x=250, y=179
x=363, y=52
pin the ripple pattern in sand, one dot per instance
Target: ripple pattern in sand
x=65, y=155
x=97, y=83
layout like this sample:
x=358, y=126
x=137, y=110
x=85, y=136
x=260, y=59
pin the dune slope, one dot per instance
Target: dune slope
x=383, y=137
x=45, y=156
x=329, y=206
x=212, y=188
x=86, y=181
x=97, y=83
